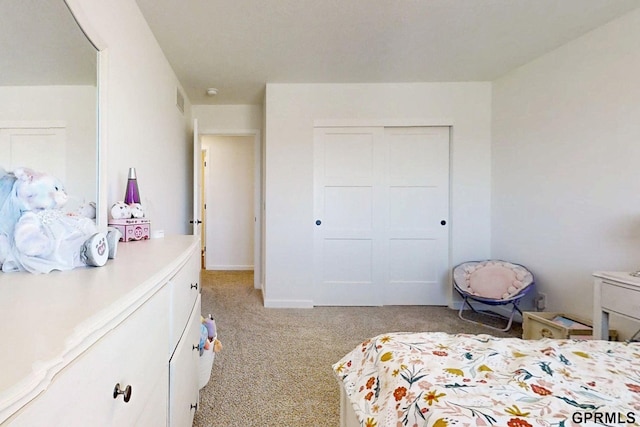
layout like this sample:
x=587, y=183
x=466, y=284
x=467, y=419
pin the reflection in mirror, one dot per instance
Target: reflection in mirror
x=48, y=95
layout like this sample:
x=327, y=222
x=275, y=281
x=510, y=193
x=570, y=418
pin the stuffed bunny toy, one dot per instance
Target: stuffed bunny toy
x=120, y=210
x=44, y=237
x=136, y=210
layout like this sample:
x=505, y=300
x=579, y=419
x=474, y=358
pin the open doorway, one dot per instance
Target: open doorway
x=232, y=196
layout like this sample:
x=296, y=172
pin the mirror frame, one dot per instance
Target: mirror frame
x=94, y=38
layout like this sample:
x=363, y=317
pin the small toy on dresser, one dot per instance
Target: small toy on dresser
x=37, y=236
x=130, y=221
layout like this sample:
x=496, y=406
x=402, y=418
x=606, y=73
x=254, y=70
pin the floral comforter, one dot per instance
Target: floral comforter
x=438, y=379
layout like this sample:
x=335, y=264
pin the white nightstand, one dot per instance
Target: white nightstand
x=617, y=293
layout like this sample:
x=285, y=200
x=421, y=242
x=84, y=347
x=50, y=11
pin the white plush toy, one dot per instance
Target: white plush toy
x=120, y=210
x=87, y=210
x=44, y=237
x=136, y=210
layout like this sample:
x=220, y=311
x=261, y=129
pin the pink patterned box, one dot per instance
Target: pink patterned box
x=132, y=229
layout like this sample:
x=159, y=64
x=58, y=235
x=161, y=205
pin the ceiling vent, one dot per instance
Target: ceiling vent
x=180, y=101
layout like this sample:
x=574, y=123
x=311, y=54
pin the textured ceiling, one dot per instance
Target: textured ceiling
x=238, y=46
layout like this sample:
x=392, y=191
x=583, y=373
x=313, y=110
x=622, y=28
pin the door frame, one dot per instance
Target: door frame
x=258, y=258
x=204, y=174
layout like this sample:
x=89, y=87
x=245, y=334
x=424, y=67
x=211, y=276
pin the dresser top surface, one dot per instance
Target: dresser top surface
x=47, y=319
x=623, y=277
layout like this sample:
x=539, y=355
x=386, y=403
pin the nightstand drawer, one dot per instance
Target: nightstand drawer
x=620, y=299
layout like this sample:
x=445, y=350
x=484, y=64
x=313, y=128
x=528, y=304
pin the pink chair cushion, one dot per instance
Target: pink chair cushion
x=493, y=281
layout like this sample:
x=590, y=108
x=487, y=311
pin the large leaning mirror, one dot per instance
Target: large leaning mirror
x=49, y=96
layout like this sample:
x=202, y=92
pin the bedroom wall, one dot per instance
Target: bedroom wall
x=565, y=152
x=144, y=128
x=228, y=117
x=290, y=112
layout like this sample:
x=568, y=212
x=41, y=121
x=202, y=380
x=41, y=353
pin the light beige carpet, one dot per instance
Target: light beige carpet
x=275, y=366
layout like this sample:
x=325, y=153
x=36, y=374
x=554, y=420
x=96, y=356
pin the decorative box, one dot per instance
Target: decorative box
x=537, y=325
x=132, y=229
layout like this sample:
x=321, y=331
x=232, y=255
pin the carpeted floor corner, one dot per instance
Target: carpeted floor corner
x=275, y=366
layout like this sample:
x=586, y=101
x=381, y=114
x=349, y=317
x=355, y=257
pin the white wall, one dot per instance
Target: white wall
x=230, y=202
x=290, y=111
x=566, y=154
x=75, y=106
x=144, y=128
x=228, y=117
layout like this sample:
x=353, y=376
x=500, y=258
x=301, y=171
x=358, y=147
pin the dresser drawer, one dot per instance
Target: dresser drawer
x=183, y=373
x=622, y=300
x=131, y=354
x=155, y=413
x=184, y=287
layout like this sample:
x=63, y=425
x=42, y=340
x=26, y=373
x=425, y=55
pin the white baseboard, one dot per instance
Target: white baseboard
x=286, y=303
x=229, y=267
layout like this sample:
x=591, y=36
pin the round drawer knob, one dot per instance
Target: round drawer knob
x=118, y=391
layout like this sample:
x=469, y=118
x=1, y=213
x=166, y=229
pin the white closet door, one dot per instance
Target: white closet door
x=381, y=200
x=418, y=210
x=381, y=211
x=41, y=149
x=348, y=225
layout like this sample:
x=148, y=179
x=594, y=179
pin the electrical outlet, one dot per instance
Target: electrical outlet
x=541, y=301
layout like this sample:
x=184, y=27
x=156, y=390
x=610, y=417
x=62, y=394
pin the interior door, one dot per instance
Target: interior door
x=197, y=183
x=418, y=209
x=349, y=216
x=203, y=208
x=381, y=208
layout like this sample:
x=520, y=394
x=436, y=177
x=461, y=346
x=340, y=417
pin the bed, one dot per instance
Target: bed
x=439, y=379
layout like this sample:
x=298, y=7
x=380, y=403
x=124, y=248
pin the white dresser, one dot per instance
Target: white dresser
x=617, y=293
x=109, y=346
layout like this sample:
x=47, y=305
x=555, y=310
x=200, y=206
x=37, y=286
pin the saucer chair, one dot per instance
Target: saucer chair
x=493, y=283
